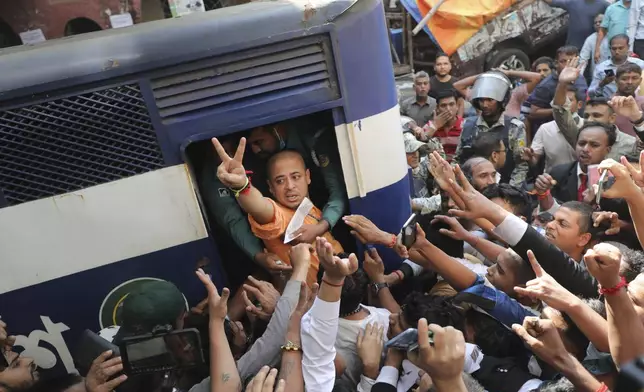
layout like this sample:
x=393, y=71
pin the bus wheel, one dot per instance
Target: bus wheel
x=509, y=58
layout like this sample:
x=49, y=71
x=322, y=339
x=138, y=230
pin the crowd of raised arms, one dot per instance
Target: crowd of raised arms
x=523, y=271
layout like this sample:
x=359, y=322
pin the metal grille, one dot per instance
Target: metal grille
x=72, y=143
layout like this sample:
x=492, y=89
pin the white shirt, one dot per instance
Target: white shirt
x=549, y=141
x=319, y=330
x=345, y=341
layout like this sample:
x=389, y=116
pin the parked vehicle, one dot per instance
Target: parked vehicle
x=508, y=40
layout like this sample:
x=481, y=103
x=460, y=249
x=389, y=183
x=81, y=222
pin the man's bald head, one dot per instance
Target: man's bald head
x=480, y=172
x=288, y=178
x=286, y=155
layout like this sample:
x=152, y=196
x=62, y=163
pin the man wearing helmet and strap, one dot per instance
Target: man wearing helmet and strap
x=490, y=95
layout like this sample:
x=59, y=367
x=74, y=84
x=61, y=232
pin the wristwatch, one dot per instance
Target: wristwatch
x=376, y=287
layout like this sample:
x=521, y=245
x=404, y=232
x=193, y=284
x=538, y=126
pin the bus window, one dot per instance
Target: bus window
x=313, y=137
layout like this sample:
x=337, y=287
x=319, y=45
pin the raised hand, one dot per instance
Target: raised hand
x=637, y=173
x=265, y=294
x=334, y=266
x=603, y=262
x=6, y=341
x=444, y=359
x=425, y=384
x=544, y=183
x=217, y=304
x=624, y=186
x=627, y=107
x=366, y=231
x=369, y=346
x=607, y=216
x=456, y=230
x=476, y=205
x=571, y=72
x=373, y=266
x=101, y=371
x=543, y=339
x=300, y=255
x=441, y=170
x=231, y=171
x=264, y=381
x=272, y=263
x=545, y=288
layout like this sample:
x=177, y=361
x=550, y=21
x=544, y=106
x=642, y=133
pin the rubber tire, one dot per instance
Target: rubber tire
x=498, y=56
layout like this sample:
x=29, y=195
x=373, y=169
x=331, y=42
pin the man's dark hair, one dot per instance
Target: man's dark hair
x=492, y=337
x=632, y=261
x=513, y=195
x=441, y=54
x=447, y=93
x=436, y=309
x=544, y=60
x=585, y=215
x=485, y=143
x=620, y=36
x=597, y=305
x=447, y=244
x=628, y=67
x=608, y=128
x=578, y=94
x=561, y=385
x=353, y=292
x=569, y=50
x=598, y=101
x=522, y=270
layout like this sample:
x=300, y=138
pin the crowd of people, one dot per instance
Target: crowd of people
x=522, y=272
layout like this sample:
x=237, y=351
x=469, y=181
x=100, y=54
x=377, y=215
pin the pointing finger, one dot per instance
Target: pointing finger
x=536, y=267
x=239, y=154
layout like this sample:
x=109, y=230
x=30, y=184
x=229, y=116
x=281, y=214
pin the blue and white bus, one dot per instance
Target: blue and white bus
x=97, y=191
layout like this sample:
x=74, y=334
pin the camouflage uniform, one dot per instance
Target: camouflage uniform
x=513, y=134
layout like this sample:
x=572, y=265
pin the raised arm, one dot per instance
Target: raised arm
x=223, y=369
x=375, y=269
x=562, y=113
x=462, y=85
x=232, y=174
x=531, y=78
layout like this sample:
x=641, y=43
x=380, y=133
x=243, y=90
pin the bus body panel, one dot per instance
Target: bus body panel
x=361, y=96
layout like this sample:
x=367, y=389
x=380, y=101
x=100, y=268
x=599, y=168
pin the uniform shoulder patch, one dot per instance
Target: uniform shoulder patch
x=324, y=160
x=224, y=192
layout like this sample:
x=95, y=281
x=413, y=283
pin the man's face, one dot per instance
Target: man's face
x=544, y=70
x=489, y=107
x=562, y=61
x=447, y=105
x=500, y=155
x=599, y=113
x=443, y=66
x=21, y=372
x=263, y=142
x=413, y=159
x=289, y=180
x=502, y=275
x=564, y=231
x=483, y=174
x=628, y=82
x=619, y=50
x=592, y=146
x=421, y=85
x=598, y=22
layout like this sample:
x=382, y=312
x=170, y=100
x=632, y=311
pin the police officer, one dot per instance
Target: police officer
x=490, y=94
x=315, y=141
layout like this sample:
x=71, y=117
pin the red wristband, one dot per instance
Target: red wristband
x=543, y=195
x=394, y=239
x=603, y=388
x=333, y=284
x=613, y=290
